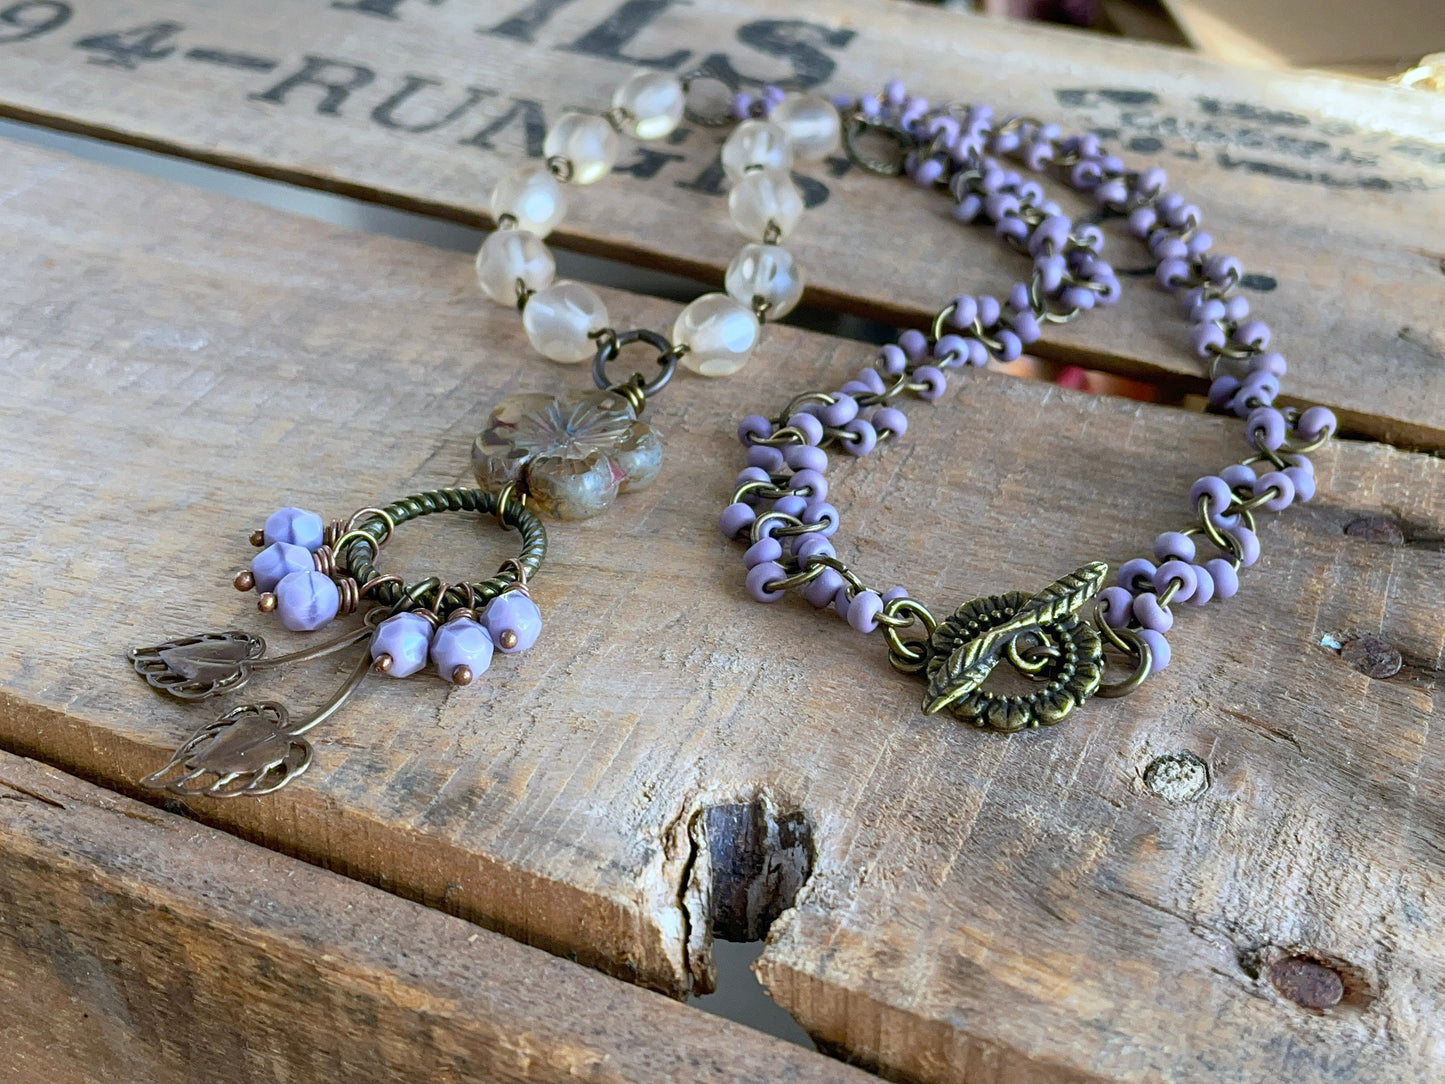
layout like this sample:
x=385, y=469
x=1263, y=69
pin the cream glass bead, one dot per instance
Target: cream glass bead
x=533, y=197
x=767, y=273
x=812, y=124
x=653, y=102
x=762, y=197
x=508, y=256
x=561, y=319
x=719, y=335
x=755, y=144
x=588, y=142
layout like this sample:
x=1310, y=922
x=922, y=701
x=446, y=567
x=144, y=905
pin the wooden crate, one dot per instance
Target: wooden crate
x=977, y=907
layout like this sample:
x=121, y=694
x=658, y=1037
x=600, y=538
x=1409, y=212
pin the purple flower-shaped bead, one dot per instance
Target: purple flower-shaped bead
x=513, y=621
x=461, y=650
x=295, y=526
x=403, y=639
x=277, y=561
x=306, y=600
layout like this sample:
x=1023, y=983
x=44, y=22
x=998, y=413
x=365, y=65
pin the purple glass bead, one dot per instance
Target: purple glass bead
x=863, y=611
x=1226, y=579
x=1266, y=428
x=894, y=593
x=749, y=475
x=1257, y=389
x=1026, y=327
x=1314, y=423
x=1253, y=333
x=1150, y=614
x=461, y=649
x=931, y=376
x=1216, y=488
x=1268, y=362
x=513, y=621
x=1158, y=649
x=1011, y=228
x=404, y=638
x=1180, y=572
x=809, y=426
x=812, y=545
x=841, y=411
x=1222, y=391
x=871, y=380
x=295, y=526
x=1165, y=246
x=1051, y=270
x=951, y=351
x=989, y=310
x=1132, y=571
x=810, y=480
x=1248, y=545
x=277, y=561
x=1206, y=339
x=821, y=591
x=791, y=505
x=965, y=311
x=735, y=518
x=891, y=359
x=1077, y=297
x=765, y=457
x=306, y=600
x=1238, y=476
x=821, y=512
x=1222, y=270
x=864, y=437
x=1175, y=545
x=913, y=343
x=759, y=576
x=1009, y=344
x=1115, y=604
x=890, y=420
x=1236, y=308
x=927, y=172
x=1199, y=244
x=968, y=207
x=1141, y=221
x=754, y=427
x=1304, y=482
x=1203, y=586
x=1172, y=273
x=806, y=457
x=764, y=549
x=1282, y=484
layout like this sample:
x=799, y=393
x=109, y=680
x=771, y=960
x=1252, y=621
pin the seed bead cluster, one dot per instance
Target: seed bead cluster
x=779, y=510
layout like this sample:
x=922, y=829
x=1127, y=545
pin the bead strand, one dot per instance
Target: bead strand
x=778, y=507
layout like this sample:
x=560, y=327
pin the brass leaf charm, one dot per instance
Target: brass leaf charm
x=198, y=667
x=250, y=750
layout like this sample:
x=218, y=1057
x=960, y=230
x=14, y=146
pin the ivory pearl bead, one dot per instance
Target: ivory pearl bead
x=510, y=256
x=719, y=334
x=587, y=142
x=813, y=126
x=652, y=102
x=561, y=320
x=533, y=197
x=766, y=275
x=765, y=200
x=755, y=144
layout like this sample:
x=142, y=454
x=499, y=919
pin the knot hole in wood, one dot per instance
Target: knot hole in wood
x=749, y=859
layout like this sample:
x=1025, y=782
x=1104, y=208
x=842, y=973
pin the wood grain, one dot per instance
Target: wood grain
x=1329, y=191
x=137, y=945
x=981, y=907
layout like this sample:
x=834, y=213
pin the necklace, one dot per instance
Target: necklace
x=778, y=510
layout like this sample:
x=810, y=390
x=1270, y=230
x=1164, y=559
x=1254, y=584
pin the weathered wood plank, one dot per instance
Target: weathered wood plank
x=997, y=908
x=136, y=945
x=1329, y=191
